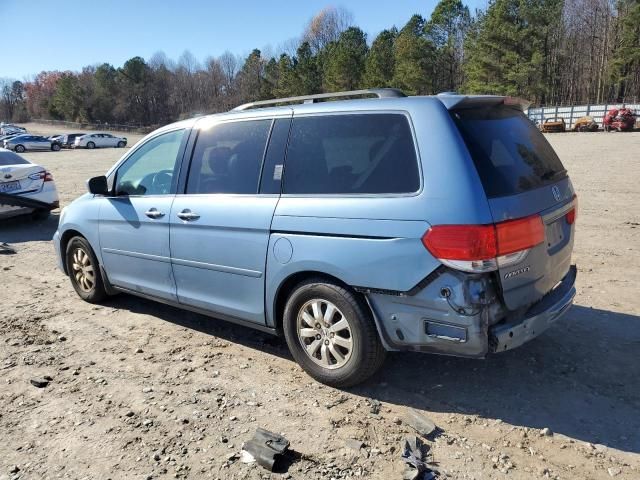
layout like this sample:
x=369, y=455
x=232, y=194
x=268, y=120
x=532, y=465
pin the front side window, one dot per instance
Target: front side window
x=152, y=168
x=351, y=154
x=227, y=158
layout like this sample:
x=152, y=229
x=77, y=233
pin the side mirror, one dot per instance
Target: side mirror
x=98, y=185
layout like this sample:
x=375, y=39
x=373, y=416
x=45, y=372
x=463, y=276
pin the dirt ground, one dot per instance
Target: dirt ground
x=141, y=390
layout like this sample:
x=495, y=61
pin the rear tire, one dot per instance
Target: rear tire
x=20, y=148
x=84, y=271
x=331, y=334
x=91, y=145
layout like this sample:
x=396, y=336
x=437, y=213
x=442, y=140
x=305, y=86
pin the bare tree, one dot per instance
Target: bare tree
x=160, y=59
x=229, y=63
x=326, y=26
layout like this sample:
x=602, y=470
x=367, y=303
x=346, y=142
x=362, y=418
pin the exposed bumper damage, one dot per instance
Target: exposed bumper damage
x=513, y=333
x=462, y=314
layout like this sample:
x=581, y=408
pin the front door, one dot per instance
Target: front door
x=220, y=228
x=134, y=222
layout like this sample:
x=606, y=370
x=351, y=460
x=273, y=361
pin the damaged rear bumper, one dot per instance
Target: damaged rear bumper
x=456, y=314
x=510, y=334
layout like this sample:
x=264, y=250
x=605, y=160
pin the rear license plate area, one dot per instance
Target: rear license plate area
x=556, y=235
x=7, y=187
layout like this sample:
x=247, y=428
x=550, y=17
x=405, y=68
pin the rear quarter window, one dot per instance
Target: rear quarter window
x=509, y=152
x=351, y=154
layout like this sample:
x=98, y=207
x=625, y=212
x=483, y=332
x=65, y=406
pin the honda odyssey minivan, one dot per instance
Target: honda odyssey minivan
x=352, y=223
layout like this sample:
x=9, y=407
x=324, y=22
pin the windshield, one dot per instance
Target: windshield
x=509, y=152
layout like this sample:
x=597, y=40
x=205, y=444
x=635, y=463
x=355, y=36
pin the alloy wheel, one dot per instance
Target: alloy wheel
x=83, y=270
x=324, y=333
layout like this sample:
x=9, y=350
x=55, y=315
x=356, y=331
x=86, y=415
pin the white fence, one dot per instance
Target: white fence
x=573, y=113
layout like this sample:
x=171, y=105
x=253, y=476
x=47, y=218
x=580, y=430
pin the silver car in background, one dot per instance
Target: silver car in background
x=22, y=143
x=98, y=140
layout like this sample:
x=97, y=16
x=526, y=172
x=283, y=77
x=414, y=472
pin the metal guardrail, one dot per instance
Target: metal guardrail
x=574, y=112
x=114, y=127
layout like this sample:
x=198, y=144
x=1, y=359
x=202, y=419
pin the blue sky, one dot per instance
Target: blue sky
x=69, y=34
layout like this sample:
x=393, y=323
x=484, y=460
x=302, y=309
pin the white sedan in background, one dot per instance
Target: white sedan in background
x=97, y=140
x=25, y=188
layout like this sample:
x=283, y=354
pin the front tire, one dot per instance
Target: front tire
x=331, y=334
x=84, y=271
x=55, y=147
x=20, y=148
x=121, y=144
x=91, y=145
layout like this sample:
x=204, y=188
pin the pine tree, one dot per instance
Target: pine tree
x=380, y=62
x=446, y=30
x=344, y=61
x=270, y=80
x=308, y=78
x=251, y=77
x=413, y=59
x=286, y=86
x=67, y=99
x=507, y=48
x=625, y=65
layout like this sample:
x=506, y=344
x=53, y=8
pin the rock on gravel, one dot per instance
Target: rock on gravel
x=39, y=382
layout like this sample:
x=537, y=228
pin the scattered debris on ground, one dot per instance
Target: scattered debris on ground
x=422, y=424
x=264, y=448
x=413, y=453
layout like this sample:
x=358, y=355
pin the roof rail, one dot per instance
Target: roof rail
x=377, y=92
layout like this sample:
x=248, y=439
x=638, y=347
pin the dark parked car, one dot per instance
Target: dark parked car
x=68, y=139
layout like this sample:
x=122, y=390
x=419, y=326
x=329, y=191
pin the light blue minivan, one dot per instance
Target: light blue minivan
x=352, y=223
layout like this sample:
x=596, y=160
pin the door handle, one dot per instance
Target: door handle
x=154, y=213
x=187, y=215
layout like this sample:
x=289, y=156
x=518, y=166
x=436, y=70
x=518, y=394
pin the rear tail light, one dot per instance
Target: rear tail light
x=571, y=216
x=484, y=248
x=45, y=176
x=573, y=213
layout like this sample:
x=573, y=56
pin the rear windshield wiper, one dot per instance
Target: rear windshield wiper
x=549, y=174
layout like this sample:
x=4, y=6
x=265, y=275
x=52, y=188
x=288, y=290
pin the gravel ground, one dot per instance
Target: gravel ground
x=141, y=390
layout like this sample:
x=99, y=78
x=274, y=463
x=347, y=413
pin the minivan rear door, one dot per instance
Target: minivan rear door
x=522, y=176
x=220, y=226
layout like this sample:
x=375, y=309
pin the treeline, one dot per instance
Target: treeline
x=548, y=51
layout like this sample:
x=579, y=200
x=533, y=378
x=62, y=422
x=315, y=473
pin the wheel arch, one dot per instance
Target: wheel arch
x=289, y=284
x=64, y=241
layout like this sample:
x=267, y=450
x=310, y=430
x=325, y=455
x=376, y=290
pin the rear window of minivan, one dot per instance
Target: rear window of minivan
x=351, y=154
x=509, y=152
